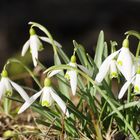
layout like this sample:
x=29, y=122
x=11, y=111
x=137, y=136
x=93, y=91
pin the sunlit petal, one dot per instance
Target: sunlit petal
x=113, y=69
x=124, y=88
x=29, y=102
x=2, y=89
x=73, y=80
x=20, y=90
x=46, y=98
x=54, y=72
x=125, y=64
x=7, y=84
x=46, y=39
x=105, y=67
x=34, y=49
x=25, y=48
x=60, y=102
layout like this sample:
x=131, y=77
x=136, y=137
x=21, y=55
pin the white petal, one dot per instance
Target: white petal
x=124, y=88
x=113, y=69
x=60, y=102
x=46, y=97
x=73, y=80
x=84, y=69
x=137, y=84
x=54, y=72
x=7, y=84
x=2, y=89
x=46, y=39
x=20, y=90
x=125, y=64
x=34, y=49
x=105, y=67
x=73, y=64
x=29, y=102
x=25, y=47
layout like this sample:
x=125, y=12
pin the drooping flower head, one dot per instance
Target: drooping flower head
x=124, y=63
x=35, y=45
x=71, y=75
x=6, y=86
x=48, y=95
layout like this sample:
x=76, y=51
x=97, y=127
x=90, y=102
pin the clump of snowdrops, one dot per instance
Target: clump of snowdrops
x=76, y=96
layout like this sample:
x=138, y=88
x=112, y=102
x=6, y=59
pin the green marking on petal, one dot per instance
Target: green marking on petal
x=138, y=70
x=120, y=62
x=40, y=48
x=45, y=103
x=67, y=76
x=114, y=75
x=136, y=89
x=8, y=93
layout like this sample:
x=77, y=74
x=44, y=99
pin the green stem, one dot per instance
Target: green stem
x=128, y=111
x=6, y=106
x=101, y=92
x=12, y=60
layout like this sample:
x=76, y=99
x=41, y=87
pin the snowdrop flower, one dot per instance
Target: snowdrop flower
x=48, y=95
x=124, y=61
x=70, y=75
x=135, y=81
x=35, y=45
x=6, y=87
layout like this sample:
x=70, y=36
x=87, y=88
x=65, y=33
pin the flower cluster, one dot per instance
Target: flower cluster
x=121, y=61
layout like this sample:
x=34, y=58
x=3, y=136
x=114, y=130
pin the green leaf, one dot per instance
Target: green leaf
x=63, y=89
x=13, y=60
x=81, y=54
x=63, y=55
x=123, y=107
x=99, y=49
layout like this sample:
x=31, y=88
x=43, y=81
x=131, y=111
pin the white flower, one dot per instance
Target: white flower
x=124, y=61
x=6, y=87
x=135, y=81
x=71, y=75
x=35, y=45
x=48, y=95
